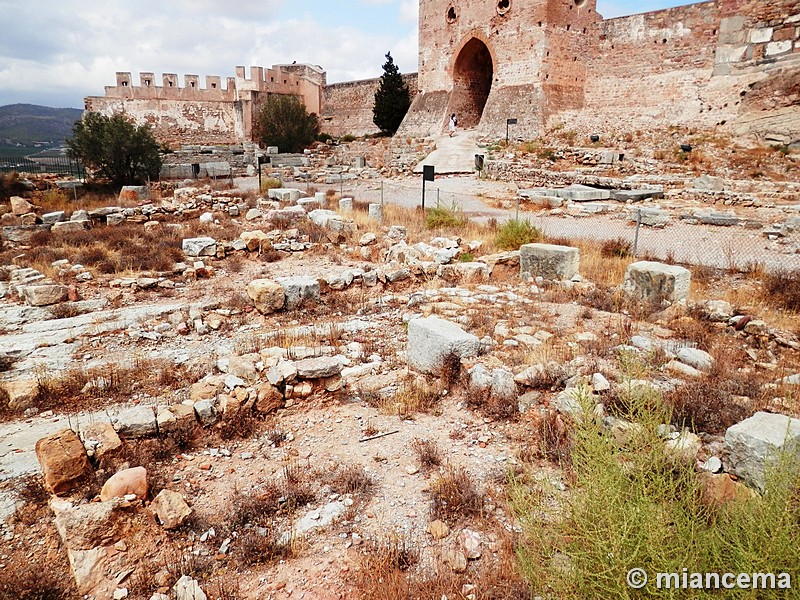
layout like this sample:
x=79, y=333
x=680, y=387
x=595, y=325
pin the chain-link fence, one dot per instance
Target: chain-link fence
x=733, y=243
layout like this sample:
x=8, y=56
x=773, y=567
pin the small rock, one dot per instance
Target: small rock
x=438, y=529
x=127, y=481
x=471, y=542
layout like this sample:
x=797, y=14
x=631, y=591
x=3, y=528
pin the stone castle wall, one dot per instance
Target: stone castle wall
x=728, y=63
x=348, y=106
x=733, y=64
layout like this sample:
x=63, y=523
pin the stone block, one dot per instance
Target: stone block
x=346, y=205
x=20, y=206
x=309, y=204
x=254, y=240
x=267, y=295
x=54, y=217
x=582, y=193
x=656, y=282
x=71, y=225
x=431, y=340
x=299, y=290
x=44, y=295
x=100, y=439
x=63, y=461
x=135, y=422
x=709, y=183
x=22, y=393
x=651, y=217
x=290, y=195
x=202, y=246
x=170, y=509
x=549, y=261
x=134, y=193
x=318, y=368
x=755, y=445
x=774, y=48
x=376, y=212
x=636, y=195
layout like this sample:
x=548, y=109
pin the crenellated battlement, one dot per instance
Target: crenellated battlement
x=170, y=88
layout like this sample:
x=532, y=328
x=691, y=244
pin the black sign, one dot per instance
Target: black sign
x=511, y=121
x=428, y=173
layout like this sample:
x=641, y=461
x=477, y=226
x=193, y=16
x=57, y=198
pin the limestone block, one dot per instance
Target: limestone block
x=45, y=294
x=774, y=48
x=656, y=282
x=187, y=588
x=710, y=183
x=71, y=225
x=290, y=195
x=346, y=205
x=202, y=246
x=317, y=368
x=101, y=438
x=267, y=295
x=299, y=290
x=581, y=193
x=464, y=272
x=54, y=217
x=431, y=340
x=254, y=240
x=170, y=508
x=755, y=444
x=290, y=214
x=22, y=393
x=206, y=411
x=20, y=206
x=89, y=525
x=548, y=261
x=135, y=422
x=309, y=204
x=134, y=193
x=699, y=359
x=376, y=212
x=63, y=461
x=124, y=482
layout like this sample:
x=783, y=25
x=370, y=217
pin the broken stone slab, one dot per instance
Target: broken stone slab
x=170, y=509
x=267, y=295
x=709, y=183
x=54, y=217
x=317, y=368
x=636, y=195
x=582, y=193
x=309, y=204
x=291, y=214
x=63, y=461
x=463, y=272
x=71, y=225
x=651, y=217
x=290, y=195
x=206, y=411
x=91, y=525
x=755, y=445
x=657, y=282
x=202, y=246
x=699, y=359
x=375, y=212
x=320, y=517
x=187, y=588
x=713, y=217
x=20, y=206
x=548, y=261
x=133, y=193
x=432, y=340
x=135, y=422
x=299, y=290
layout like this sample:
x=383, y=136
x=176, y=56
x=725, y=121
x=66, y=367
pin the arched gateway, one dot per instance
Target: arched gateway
x=473, y=71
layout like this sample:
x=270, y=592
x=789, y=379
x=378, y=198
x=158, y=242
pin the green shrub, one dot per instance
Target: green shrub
x=347, y=138
x=513, y=234
x=442, y=217
x=633, y=505
x=283, y=121
x=466, y=257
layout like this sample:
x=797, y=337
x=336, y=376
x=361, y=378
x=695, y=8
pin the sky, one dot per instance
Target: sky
x=56, y=53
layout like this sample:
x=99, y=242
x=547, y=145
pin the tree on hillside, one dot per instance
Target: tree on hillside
x=114, y=148
x=392, y=98
x=283, y=121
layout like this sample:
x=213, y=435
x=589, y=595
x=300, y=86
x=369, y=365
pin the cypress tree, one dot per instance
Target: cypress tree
x=392, y=98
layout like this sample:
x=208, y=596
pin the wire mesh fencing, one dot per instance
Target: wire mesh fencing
x=57, y=165
x=734, y=244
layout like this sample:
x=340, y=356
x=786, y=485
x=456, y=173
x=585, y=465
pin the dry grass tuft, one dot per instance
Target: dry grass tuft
x=428, y=453
x=455, y=496
x=348, y=479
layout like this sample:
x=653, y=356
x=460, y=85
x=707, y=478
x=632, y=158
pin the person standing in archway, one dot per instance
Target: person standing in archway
x=453, y=124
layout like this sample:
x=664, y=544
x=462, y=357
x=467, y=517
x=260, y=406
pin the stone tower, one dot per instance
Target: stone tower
x=491, y=60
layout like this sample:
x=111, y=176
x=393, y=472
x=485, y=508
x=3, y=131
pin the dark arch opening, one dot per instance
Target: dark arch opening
x=472, y=81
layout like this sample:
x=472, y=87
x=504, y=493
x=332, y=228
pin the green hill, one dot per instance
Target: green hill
x=28, y=124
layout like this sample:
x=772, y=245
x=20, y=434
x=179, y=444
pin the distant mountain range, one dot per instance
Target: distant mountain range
x=29, y=125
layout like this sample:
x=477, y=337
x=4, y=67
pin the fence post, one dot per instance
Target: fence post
x=636, y=236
